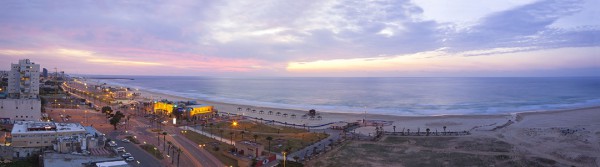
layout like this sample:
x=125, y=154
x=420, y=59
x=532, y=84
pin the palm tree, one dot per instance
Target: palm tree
x=164, y=140
x=178, y=154
x=394, y=129
x=242, y=133
x=173, y=152
x=169, y=148
x=278, y=113
x=408, y=131
x=221, y=130
x=269, y=138
x=427, y=131
x=255, y=137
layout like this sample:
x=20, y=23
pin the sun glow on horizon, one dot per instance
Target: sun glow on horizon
x=442, y=61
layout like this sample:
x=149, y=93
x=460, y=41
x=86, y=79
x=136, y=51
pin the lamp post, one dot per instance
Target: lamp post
x=284, y=158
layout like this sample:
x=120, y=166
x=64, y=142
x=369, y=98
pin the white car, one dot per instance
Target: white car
x=129, y=159
x=125, y=140
x=126, y=155
x=120, y=149
x=112, y=143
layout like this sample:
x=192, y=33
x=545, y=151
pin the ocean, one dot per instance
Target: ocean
x=390, y=96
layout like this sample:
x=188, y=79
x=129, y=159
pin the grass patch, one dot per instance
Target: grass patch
x=211, y=144
x=283, y=137
x=132, y=139
x=152, y=150
x=486, y=144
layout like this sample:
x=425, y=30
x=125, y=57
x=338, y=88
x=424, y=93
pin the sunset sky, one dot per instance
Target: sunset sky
x=305, y=38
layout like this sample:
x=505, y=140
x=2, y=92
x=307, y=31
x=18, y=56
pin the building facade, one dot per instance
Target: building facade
x=24, y=80
x=12, y=110
x=30, y=137
x=22, y=102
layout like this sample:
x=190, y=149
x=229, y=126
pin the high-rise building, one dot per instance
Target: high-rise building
x=24, y=80
x=45, y=73
x=23, y=103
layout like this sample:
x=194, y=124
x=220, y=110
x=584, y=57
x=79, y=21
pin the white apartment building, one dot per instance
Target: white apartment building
x=23, y=103
x=24, y=80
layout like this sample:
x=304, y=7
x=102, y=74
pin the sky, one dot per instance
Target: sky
x=312, y=38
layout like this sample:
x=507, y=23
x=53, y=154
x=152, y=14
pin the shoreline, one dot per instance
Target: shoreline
x=435, y=122
x=181, y=98
x=453, y=122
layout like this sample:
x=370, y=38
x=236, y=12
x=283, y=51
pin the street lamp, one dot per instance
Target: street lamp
x=284, y=158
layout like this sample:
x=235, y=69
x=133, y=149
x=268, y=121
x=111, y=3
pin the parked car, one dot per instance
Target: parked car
x=129, y=159
x=125, y=140
x=112, y=143
x=120, y=149
x=126, y=155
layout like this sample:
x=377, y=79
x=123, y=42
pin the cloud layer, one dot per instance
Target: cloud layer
x=250, y=38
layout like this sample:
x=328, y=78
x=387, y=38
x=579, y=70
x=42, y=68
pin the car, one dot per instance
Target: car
x=129, y=159
x=126, y=155
x=125, y=140
x=120, y=149
x=112, y=143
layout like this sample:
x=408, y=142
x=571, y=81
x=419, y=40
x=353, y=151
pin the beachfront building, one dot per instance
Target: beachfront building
x=30, y=137
x=163, y=107
x=24, y=80
x=199, y=111
x=22, y=102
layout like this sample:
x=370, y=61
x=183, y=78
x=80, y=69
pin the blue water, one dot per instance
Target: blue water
x=395, y=96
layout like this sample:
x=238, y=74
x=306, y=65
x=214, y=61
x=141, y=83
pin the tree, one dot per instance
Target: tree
x=164, y=139
x=221, y=130
x=242, y=133
x=116, y=119
x=269, y=138
x=255, y=137
x=169, y=147
x=107, y=110
x=394, y=129
x=178, y=154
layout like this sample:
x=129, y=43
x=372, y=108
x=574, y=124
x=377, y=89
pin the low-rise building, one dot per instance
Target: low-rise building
x=29, y=137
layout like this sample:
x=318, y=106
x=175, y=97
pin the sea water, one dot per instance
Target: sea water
x=395, y=96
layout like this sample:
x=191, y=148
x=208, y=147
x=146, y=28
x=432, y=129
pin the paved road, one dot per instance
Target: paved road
x=144, y=158
x=192, y=149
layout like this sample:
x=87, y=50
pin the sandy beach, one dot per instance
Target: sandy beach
x=568, y=136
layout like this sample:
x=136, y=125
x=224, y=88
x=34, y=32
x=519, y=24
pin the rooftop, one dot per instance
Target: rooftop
x=42, y=127
x=68, y=160
x=198, y=105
